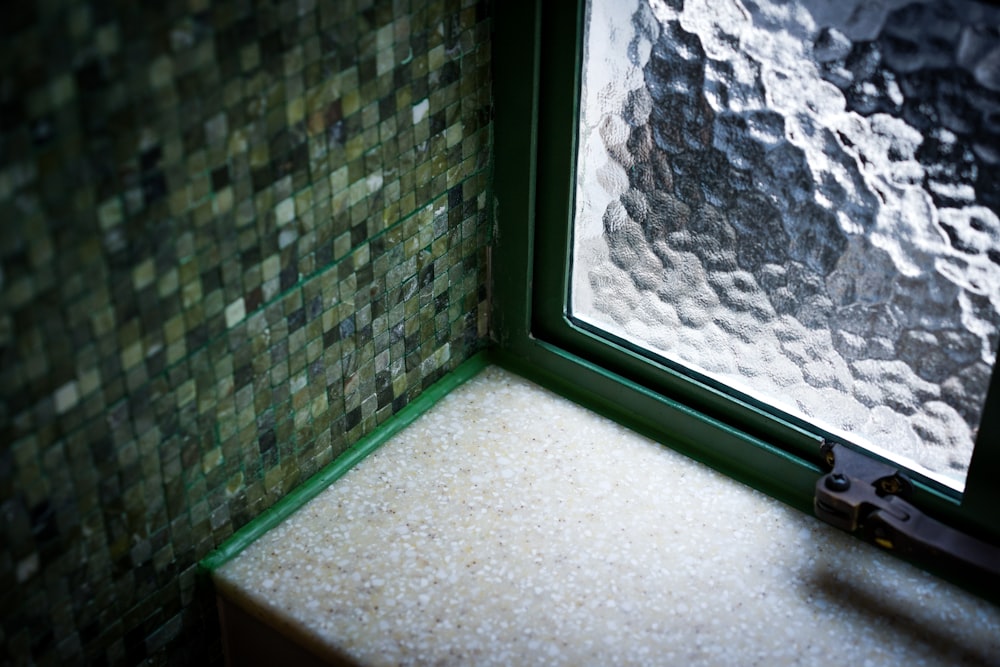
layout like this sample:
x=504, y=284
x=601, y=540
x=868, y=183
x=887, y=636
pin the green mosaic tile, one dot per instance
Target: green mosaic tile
x=238, y=238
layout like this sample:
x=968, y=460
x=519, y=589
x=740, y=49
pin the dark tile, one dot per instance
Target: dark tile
x=170, y=316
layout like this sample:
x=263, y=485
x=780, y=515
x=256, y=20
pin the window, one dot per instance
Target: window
x=548, y=328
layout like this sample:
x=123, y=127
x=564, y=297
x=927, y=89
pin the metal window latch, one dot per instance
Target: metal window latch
x=862, y=494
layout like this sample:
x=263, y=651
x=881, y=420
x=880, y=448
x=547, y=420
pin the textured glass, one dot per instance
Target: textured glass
x=800, y=200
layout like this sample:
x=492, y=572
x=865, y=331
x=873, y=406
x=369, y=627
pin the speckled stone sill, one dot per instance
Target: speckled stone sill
x=509, y=526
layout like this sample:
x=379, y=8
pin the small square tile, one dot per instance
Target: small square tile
x=270, y=260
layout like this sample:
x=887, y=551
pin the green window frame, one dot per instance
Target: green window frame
x=537, y=58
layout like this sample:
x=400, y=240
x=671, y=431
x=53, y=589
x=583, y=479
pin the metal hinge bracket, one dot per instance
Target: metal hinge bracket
x=861, y=494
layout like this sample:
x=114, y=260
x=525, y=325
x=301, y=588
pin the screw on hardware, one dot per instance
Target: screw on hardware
x=837, y=482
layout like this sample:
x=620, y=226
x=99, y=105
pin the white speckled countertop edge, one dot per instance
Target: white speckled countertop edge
x=510, y=526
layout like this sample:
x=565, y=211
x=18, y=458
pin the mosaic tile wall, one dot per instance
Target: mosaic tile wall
x=236, y=236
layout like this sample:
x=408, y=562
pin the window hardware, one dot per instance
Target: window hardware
x=863, y=494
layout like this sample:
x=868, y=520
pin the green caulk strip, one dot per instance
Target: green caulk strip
x=312, y=487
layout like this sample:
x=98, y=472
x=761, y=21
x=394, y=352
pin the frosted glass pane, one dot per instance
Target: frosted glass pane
x=800, y=199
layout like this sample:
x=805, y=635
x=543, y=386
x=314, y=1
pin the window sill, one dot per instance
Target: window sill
x=510, y=526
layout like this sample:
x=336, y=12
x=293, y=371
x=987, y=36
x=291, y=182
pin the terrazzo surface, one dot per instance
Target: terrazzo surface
x=508, y=526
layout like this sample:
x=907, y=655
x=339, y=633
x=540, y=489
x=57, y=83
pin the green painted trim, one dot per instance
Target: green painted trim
x=312, y=487
x=728, y=450
x=516, y=66
x=743, y=457
x=982, y=492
